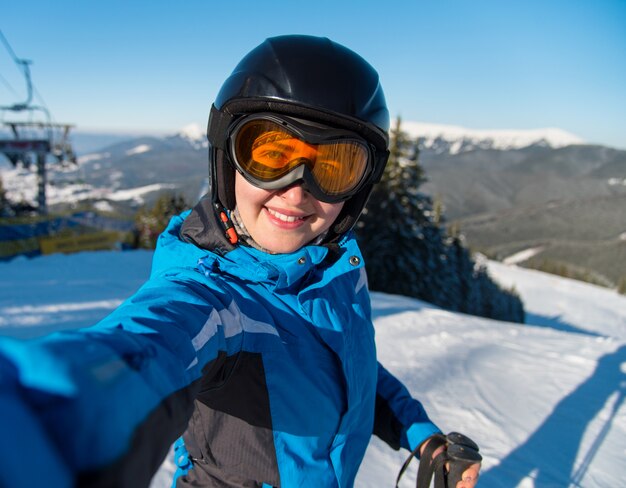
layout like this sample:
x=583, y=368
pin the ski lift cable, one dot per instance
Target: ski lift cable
x=9, y=48
x=44, y=106
x=8, y=85
x=23, y=64
x=15, y=60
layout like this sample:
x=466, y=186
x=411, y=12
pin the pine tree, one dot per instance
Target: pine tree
x=150, y=223
x=406, y=249
x=621, y=285
x=438, y=208
x=400, y=241
x=390, y=223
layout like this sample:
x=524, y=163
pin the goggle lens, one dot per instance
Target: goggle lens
x=268, y=151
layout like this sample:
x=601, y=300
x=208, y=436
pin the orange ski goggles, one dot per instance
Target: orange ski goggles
x=273, y=152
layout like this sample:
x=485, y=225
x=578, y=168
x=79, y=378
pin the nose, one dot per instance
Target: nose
x=294, y=194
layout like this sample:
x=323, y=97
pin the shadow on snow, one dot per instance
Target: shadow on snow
x=550, y=452
x=556, y=323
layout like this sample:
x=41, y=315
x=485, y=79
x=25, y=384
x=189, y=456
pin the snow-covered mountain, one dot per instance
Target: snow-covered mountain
x=195, y=134
x=455, y=139
x=544, y=400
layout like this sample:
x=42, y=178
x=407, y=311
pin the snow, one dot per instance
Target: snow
x=92, y=157
x=492, y=138
x=141, y=148
x=137, y=194
x=21, y=185
x=544, y=400
x=193, y=132
x=103, y=206
x=520, y=257
x=617, y=181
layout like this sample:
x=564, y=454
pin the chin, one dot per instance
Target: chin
x=281, y=247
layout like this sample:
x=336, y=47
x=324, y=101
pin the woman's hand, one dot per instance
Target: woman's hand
x=469, y=477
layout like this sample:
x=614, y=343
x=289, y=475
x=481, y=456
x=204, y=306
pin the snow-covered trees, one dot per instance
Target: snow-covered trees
x=408, y=251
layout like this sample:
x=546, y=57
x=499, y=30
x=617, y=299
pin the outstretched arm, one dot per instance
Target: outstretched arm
x=106, y=402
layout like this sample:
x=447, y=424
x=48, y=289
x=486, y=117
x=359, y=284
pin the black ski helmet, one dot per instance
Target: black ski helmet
x=305, y=77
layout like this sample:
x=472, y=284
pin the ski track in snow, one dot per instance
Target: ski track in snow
x=544, y=400
x=522, y=256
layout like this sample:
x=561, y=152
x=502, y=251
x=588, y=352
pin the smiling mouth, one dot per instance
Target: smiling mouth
x=285, y=218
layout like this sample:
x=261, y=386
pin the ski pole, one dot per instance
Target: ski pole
x=459, y=454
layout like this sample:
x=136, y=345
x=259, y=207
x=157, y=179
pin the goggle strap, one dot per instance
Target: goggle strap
x=381, y=162
x=255, y=105
x=219, y=123
x=226, y=176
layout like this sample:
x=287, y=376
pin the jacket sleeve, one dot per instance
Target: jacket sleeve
x=399, y=420
x=101, y=406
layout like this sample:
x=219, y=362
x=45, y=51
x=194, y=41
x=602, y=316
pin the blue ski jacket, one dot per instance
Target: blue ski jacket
x=267, y=363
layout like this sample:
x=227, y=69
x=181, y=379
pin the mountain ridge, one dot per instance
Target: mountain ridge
x=462, y=139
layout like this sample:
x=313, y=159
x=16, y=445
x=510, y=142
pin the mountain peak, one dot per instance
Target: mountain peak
x=460, y=139
x=193, y=132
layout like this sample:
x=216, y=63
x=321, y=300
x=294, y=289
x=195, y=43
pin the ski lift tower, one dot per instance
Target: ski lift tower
x=34, y=139
x=38, y=143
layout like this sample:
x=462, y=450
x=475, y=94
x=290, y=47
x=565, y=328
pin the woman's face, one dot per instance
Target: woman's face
x=282, y=221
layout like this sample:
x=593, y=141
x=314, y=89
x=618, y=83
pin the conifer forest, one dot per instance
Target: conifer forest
x=409, y=250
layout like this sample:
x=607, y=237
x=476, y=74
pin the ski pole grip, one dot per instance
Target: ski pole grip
x=460, y=457
x=456, y=473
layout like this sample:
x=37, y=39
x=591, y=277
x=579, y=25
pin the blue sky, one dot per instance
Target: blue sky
x=155, y=66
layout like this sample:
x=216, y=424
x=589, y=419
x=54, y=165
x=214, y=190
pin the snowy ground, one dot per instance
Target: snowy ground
x=21, y=185
x=544, y=400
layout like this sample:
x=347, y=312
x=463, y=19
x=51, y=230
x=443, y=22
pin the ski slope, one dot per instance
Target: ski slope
x=544, y=400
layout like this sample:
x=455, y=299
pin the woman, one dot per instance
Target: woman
x=253, y=334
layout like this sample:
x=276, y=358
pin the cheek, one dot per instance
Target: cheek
x=330, y=211
x=241, y=189
x=247, y=195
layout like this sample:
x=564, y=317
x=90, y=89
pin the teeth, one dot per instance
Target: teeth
x=283, y=217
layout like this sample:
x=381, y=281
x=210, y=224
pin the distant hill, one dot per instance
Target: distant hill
x=491, y=180
x=567, y=201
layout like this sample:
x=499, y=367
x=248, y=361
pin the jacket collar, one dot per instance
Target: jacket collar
x=278, y=271
x=196, y=238
x=201, y=227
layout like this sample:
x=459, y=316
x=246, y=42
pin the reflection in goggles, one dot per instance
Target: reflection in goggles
x=267, y=152
x=277, y=149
